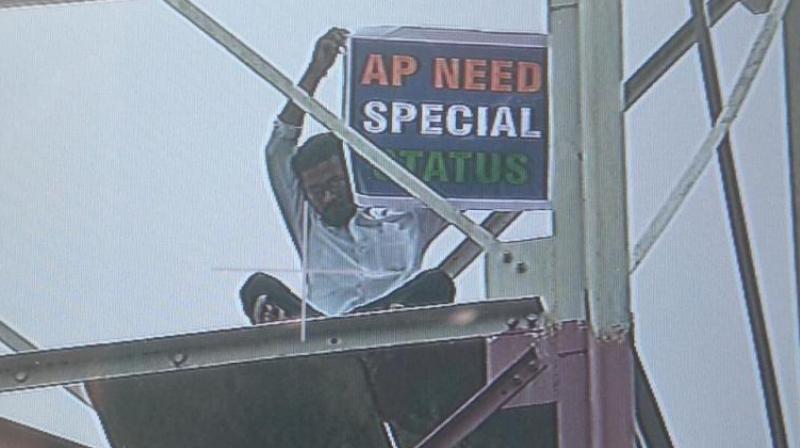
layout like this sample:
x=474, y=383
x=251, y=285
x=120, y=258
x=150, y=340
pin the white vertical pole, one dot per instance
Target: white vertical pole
x=611, y=383
x=606, y=213
x=568, y=272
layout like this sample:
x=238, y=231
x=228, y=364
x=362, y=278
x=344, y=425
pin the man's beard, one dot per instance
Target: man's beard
x=338, y=214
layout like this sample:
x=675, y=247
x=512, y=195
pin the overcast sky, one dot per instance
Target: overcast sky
x=134, y=201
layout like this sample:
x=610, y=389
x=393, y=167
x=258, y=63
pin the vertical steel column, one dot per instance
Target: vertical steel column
x=606, y=226
x=554, y=267
x=652, y=427
x=568, y=273
x=739, y=231
x=791, y=56
x=611, y=381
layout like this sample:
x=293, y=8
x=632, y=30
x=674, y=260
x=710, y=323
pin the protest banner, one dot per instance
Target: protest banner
x=466, y=111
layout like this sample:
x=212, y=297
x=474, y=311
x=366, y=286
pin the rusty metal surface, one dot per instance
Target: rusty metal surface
x=566, y=382
x=611, y=392
x=525, y=368
x=17, y=435
x=315, y=402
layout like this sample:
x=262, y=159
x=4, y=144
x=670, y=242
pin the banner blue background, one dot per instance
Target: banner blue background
x=419, y=88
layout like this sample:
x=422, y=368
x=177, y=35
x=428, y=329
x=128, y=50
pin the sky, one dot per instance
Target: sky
x=135, y=203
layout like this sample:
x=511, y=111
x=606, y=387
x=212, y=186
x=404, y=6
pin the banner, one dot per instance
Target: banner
x=465, y=111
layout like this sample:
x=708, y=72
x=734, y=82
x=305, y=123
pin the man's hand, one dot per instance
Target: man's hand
x=327, y=48
x=271, y=313
x=264, y=312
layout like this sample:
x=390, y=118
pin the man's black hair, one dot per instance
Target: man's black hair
x=315, y=150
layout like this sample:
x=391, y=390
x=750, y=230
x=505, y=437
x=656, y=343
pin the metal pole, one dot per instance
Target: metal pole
x=739, y=231
x=669, y=53
x=19, y=343
x=568, y=275
x=24, y=3
x=611, y=391
x=488, y=400
x=791, y=56
x=730, y=111
x=466, y=252
x=606, y=226
x=653, y=429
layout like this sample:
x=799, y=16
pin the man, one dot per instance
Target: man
x=361, y=259
x=357, y=259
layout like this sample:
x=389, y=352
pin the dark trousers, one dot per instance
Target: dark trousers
x=429, y=287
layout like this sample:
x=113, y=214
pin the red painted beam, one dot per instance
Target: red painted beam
x=17, y=435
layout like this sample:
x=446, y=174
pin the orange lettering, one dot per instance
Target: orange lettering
x=374, y=70
x=529, y=77
x=445, y=73
x=402, y=66
x=475, y=74
x=500, y=74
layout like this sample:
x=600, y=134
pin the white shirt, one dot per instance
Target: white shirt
x=379, y=249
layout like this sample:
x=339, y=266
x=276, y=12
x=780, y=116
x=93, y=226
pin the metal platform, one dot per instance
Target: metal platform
x=338, y=400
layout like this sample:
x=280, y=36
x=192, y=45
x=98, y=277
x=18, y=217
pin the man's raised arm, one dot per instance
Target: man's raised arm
x=283, y=142
x=328, y=47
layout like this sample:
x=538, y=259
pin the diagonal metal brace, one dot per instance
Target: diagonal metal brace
x=489, y=399
x=466, y=252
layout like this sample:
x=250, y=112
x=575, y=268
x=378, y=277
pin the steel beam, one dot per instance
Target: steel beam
x=568, y=272
x=741, y=238
x=466, y=252
x=17, y=435
x=757, y=6
x=669, y=53
x=19, y=343
x=791, y=60
x=653, y=432
x=730, y=111
x=611, y=391
x=276, y=340
x=486, y=401
x=605, y=206
x=23, y=3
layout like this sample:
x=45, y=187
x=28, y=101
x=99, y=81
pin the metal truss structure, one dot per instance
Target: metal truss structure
x=580, y=275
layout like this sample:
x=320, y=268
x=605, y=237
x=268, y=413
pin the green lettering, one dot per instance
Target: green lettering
x=435, y=167
x=460, y=159
x=488, y=172
x=516, y=169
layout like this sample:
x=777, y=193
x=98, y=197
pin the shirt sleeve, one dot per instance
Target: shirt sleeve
x=285, y=185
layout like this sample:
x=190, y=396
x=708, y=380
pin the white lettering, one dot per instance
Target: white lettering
x=526, y=120
x=377, y=122
x=431, y=115
x=457, y=120
x=452, y=120
x=503, y=122
x=483, y=120
x=402, y=113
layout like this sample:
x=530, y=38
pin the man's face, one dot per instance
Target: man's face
x=328, y=191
